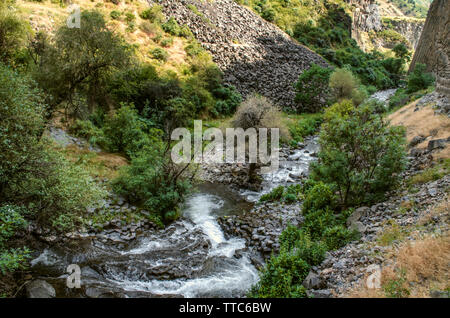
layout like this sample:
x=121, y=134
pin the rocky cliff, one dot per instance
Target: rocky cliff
x=369, y=16
x=255, y=55
x=410, y=28
x=434, y=45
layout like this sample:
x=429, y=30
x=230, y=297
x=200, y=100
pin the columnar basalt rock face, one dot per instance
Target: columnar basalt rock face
x=410, y=28
x=434, y=45
x=366, y=16
x=255, y=55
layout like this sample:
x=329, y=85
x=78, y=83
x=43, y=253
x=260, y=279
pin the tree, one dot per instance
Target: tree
x=12, y=33
x=80, y=59
x=419, y=79
x=312, y=89
x=361, y=155
x=343, y=83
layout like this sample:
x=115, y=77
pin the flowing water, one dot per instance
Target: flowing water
x=189, y=258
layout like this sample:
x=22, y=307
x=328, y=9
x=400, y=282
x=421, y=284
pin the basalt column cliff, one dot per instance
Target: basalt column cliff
x=255, y=55
x=434, y=45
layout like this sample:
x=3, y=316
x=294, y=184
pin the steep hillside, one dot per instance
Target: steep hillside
x=254, y=54
x=434, y=45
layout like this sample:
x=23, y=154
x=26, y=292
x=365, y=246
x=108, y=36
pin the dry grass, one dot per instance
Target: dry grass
x=99, y=165
x=440, y=210
x=417, y=268
x=423, y=122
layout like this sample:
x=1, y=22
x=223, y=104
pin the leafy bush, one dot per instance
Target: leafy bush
x=360, y=153
x=343, y=84
x=419, y=79
x=282, y=277
x=308, y=125
x=115, y=15
x=153, y=14
x=31, y=173
x=153, y=182
x=312, y=89
x=13, y=33
x=337, y=236
x=159, y=54
x=172, y=27
x=229, y=100
x=125, y=131
x=86, y=129
x=258, y=112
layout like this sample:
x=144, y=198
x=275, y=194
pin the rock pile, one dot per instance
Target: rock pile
x=255, y=55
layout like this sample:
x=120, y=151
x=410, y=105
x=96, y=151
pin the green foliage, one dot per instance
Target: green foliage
x=228, y=100
x=11, y=220
x=87, y=130
x=419, y=79
x=172, y=27
x=274, y=195
x=153, y=14
x=312, y=87
x=153, y=182
x=337, y=236
x=125, y=131
x=80, y=60
x=343, y=84
x=360, y=153
x=159, y=54
x=31, y=173
x=308, y=125
x=13, y=259
x=282, y=277
x=115, y=15
x=395, y=288
x=13, y=33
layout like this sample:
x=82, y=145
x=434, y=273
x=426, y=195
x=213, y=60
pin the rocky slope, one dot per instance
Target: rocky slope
x=434, y=45
x=255, y=55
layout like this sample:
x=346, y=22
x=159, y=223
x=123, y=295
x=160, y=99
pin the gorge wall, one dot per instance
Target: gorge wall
x=434, y=45
x=370, y=16
x=254, y=55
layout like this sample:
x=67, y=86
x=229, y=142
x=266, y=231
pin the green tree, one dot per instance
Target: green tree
x=419, y=79
x=312, y=89
x=360, y=153
x=81, y=59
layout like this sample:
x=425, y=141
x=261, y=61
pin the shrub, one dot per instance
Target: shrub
x=258, y=112
x=13, y=33
x=337, y=236
x=153, y=182
x=360, y=153
x=306, y=126
x=159, y=54
x=419, y=79
x=115, y=15
x=172, y=27
x=125, y=131
x=86, y=129
x=153, y=14
x=282, y=277
x=343, y=84
x=312, y=89
x=229, y=100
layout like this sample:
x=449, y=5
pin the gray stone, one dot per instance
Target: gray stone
x=40, y=289
x=312, y=281
x=436, y=144
x=323, y=293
